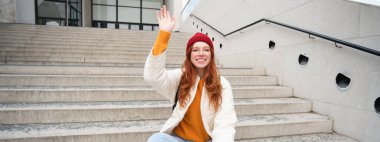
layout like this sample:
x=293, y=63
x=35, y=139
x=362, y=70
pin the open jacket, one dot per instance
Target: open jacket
x=219, y=125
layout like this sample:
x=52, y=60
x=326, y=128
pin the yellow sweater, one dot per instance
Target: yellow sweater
x=191, y=127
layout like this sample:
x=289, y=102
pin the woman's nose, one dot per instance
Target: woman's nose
x=201, y=52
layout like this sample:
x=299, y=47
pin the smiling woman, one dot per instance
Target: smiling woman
x=200, y=55
x=205, y=110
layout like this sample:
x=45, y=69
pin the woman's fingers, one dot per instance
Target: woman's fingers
x=173, y=20
x=158, y=15
x=164, y=12
x=168, y=16
x=165, y=20
x=161, y=13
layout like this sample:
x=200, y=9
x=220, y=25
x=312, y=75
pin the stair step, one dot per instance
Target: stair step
x=70, y=80
x=254, y=126
x=67, y=35
x=6, y=59
x=92, y=44
x=6, y=46
x=47, y=30
x=100, y=64
x=262, y=91
x=10, y=80
x=17, y=36
x=22, y=113
x=83, y=112
x=252, y=80
x=85, y=55
x=84, y=39
x=258, y=126
x=318, y=137
x=80, y=70
x=271, y=106
x=70, y=70
x=84, y=50
x=88, y=44
x=75, y=94
x=93, y=32
x=138, y=131
x=87, y=94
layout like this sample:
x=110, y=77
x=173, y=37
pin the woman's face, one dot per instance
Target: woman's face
x=200, y=55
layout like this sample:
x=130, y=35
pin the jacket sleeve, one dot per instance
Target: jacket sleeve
x=225, y=119
x=165, y=82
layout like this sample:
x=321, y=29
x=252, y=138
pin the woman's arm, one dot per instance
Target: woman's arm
x=163, y=81
x=166, y=24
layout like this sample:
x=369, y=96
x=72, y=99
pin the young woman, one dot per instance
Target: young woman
x=205, y=109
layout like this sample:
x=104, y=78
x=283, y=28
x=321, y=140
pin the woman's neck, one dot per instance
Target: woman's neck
x=200, y=73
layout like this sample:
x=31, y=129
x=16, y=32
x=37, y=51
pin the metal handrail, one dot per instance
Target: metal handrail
x=335, y=40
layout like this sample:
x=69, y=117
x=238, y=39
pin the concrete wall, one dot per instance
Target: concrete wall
x=352, y=109
x=86, y=7
x=7, y=11
x=25, y=12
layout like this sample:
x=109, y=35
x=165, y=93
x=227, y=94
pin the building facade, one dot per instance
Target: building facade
x=118, y=14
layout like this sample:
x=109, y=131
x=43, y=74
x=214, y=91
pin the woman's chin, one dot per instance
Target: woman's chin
x=200, y=66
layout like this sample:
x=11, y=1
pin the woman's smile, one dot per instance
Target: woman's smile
x=200, y=54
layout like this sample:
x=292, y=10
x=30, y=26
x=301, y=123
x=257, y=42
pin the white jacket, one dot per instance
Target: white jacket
x=220, y=126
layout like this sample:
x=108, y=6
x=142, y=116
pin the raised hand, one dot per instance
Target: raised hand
x=165, y=22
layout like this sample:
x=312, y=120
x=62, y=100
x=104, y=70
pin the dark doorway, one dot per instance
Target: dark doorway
x=59, y=12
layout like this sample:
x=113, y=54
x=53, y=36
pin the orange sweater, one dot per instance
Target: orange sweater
x=161, y=43
x=191, y=127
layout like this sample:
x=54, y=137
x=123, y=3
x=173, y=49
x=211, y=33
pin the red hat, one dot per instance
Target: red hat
x=199, y=37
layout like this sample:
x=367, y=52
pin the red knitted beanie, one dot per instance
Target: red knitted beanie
x=199, y=37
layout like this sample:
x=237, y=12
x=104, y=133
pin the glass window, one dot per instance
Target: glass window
x=127, y=14
x=108, y=2
x=133, y=3
x=152, y=3
x=111, y=25
x=75, y=6
x=96, y=25
x=147, y=27
x=156, y=28
x=123, y=26
x=131, y=13
x=149, y=16
x=135, y=27
x=104, y=13
x=51, y=9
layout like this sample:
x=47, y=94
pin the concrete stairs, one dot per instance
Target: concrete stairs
x=85, y=84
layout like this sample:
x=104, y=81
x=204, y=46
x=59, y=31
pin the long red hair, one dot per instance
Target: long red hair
x=211, y=78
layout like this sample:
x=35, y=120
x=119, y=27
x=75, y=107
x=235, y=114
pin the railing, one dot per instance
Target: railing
x=335, y=40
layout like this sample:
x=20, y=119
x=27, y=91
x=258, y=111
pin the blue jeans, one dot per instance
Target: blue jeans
x=163, y=137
